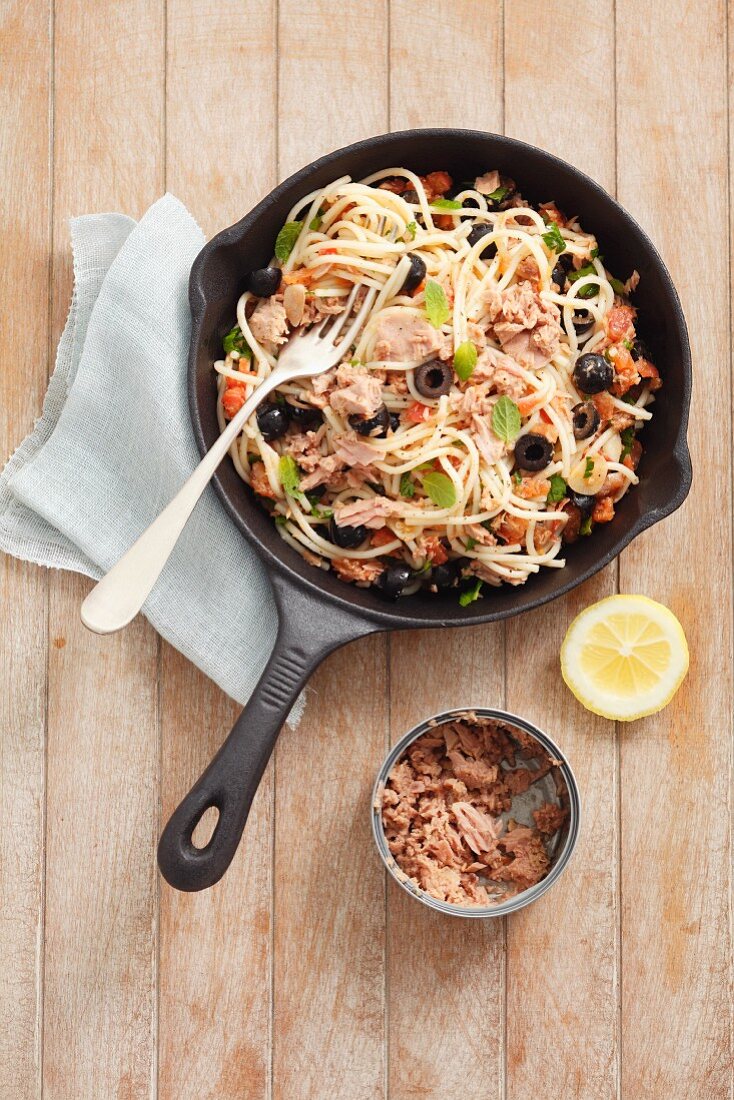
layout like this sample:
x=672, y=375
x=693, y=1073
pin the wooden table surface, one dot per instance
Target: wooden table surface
x=303, y=974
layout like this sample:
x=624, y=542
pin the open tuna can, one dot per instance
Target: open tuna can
x=475, y=812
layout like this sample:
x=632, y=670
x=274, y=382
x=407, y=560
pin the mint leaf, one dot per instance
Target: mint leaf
x=407, y=485
x=628, y=438
x=517, y=477
x=437, y=308
x=465, y=360
x=506, y=422
x=446, y=204
x=440, y=489
x=316, y=221
x=235, y=341
x=290, y=478
x=286, y=240
x=595, y=253
x=554, y=238
x=280, y=521
x=498, y=196
x=557, y=489
x=471, y=594
x=410, y=230
x=470, y=543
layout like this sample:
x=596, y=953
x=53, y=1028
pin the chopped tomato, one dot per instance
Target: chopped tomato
x=438, y=182
x=619, y=323
x=233, y=400
x=527, y=404
x=382, y=537
x=420, y=288
x=544, y=416
x=394, y=184
x=632, y=460
x=435, y=550
x=328, y=251
x=443, y=221
x=292, y=277
x=603, y=510
x=260, y=483
x=625, y=372
x=512, y=529
x=418, y=413
x=646, y=369
x=604, y=405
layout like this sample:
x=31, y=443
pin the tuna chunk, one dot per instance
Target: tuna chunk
x=487, y=183
x=363, y=397
x=352, y=569
x=549, y=818
x=268, y=323
x=526, y=327
x=353, y=451
x=405, y=339
x=370, y=512
x=490, y=447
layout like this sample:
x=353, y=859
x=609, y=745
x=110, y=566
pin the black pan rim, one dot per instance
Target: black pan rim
x=392, y=617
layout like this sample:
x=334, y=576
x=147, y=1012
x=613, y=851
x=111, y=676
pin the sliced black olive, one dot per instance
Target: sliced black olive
x=264, y=282
x=481, y=229
x=532, y=452
x=434, y=378
x=446, y=575
x=305, y=416
x=565, y=260
x=376, y=425
x=410, y=195
x=558, y=276
x=592, y=373
x=582, y=321
x=639, y=350
x=272, y=420
x=416, y=274
x=393, y=580
x=346, y=538
x=584, y=503
x=394, y=421
x=317, y=492
x=585, y=419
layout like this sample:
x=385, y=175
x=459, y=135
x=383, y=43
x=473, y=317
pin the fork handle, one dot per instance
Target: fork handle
x=118, y=597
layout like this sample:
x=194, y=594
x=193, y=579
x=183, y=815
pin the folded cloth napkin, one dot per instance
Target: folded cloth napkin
x=115, y=443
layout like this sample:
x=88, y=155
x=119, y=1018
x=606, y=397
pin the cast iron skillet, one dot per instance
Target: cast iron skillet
x=317, y=612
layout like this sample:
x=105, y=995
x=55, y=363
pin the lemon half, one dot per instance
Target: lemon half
x=624, y=657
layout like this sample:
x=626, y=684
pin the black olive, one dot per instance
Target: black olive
x=639, y=350
x=434, y=378
x=592, y=373
x=584, y=503
x=566, y=261
x=558, y=276
x=305, y=416
x=582, y=321
x=416, y=274
x=376, y=425
x=445, y=575
x=532, y=452
x=585, y=420
x=346, y=538
x=394, y=421
x=317, y=492
x=272, y=420
x=481, y=229
x=264, y=282
x=393, y=580
x=410, y=196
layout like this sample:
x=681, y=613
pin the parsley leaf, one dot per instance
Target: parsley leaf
x=553, y=239
x=286, y=240
x=588, y=468
x=585, y=528
x=471, y=594
x=280, y=521
x=446, y=204
x=315, y=222
x=437, y=308
x=499, y=194
x=595, y=253
x=410, y=230
x=592, y=289
x=440, y=489
x=407, y=485
x=628, y=438
x=470, y=543
x=465, y=360
x=506, y=422
x=517, y=477
x=235, y=341
x=290, y=478
x=557, y=489
x=617, y=286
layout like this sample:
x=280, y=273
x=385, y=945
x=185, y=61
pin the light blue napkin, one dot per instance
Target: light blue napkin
x=115, y=443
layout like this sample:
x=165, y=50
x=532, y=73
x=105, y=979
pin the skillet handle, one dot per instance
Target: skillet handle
x=232, y=778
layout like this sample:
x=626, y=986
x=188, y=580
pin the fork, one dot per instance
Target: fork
x=118, y=597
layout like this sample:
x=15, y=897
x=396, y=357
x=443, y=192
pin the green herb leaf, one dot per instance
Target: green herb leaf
x=629, y=399
x=471, y=594
x=585, y=528
x=517, y=477
x=315, y=223
x=588, y=468
x=499, y=194
x=628, y=438
x=280, y=521
x=506, y=422
x=410, y=230
x=446, y=204
x=595, y=253
x=354, y=362
x=440, y=489
x=290, y=478
x=407, y=485
x=286, y=239
x=627, y=344
x=465, y=360
x=235, y=341
x=557, y=489
x=617, y=286
x=437, y=308
x=592, y=289
x=554, y=238
x=470, y=543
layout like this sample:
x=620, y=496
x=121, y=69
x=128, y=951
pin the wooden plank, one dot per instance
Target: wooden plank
x=562, y=954
x=224, y=934
x=328, y=1026
x=446, y=1019
x=676, y=767
x=25, y=53
x=102, y=743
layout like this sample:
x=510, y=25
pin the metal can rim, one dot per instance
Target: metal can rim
x=512, y=905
